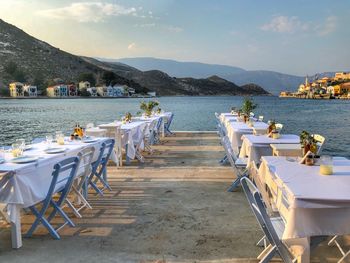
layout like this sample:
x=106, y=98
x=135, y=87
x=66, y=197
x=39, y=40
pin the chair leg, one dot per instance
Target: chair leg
x=270, y=254
x=223, y=160
x=236, y=182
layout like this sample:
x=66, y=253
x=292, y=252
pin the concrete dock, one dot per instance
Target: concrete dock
x=172, y=208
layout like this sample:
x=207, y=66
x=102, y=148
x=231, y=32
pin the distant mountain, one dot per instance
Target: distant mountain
x=166, y=85
x=273, y=82
x=178, y=69
x=26, y=59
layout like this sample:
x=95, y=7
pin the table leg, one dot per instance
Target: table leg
x=127, y=159
x=300, y=248
x=15, y=216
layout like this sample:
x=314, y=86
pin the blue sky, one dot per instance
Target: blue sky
x=297, y=37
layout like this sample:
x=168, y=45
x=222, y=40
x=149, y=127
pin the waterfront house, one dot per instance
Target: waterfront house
x=345, y=88
x=110, y=91
x=339, y=76
x=60, y=90
x=84, y=85
x=333, y=90
x=92, y=91
x=151, y=93
x=72, y=90
x=119, y=90
x=131, y=91
x=16, y=89
x=101, y=91
x=31, y=91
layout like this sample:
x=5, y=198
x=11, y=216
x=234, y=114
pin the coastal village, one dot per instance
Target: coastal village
x=81, y=89
x=337, y=87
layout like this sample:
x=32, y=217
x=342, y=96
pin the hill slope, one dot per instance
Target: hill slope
x=27, y=59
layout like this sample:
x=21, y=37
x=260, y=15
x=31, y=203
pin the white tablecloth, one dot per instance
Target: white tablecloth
x=254, y=147
x=132, y=134
x=235, y=131
x=318, y=204
x=30, y=182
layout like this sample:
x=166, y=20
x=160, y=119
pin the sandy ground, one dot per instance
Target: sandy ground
x=172, y=208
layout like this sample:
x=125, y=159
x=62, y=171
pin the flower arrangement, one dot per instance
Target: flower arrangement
x=159, y=111
x=308, y=142
x=128, y=117
x=272, y=126
x=248, y=106
x=148, y=107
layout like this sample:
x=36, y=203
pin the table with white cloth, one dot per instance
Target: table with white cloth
x=319, y=205
x=132, y=135
x=235, y=131
x=27, y=184
x=256, y=146
x=225, y=118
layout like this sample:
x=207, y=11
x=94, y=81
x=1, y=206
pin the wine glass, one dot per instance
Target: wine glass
x=22, y=143
x=49, y=140
x=17, y=150
x=60, y=138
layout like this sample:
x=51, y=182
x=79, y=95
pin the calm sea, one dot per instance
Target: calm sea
x=27, y=118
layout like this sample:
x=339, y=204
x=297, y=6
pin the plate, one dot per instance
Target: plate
x=24, y=159
x=54, y=150
x=90, y=140
x=28, y=147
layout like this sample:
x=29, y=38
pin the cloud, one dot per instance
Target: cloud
x=88, y=11
x=174, y=29
x=132, y=46
x=285, y=24
x=145, y=25
x=329, y=26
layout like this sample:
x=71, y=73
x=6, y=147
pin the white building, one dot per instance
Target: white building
x=110, y=91
x=119, y=90
x=152, y=93
x=101, y=91
x=92, y=91
x=32, y=91
x=84, y=85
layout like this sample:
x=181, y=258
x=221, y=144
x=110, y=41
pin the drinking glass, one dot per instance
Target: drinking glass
x=326, y=166
x=22, y=143
x=60, y=138
x=49, y=140
x=17, y=149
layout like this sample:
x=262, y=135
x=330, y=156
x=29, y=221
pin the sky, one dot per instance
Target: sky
x=291, y=36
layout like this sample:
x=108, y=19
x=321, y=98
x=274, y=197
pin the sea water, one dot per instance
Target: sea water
x=31, y=118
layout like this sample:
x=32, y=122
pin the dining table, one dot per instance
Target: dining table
x=317, y=205
x=26, y=181
x=256, y=146
x=236, y=129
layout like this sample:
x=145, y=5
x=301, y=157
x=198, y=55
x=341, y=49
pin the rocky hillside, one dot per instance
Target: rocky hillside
x=27, y=59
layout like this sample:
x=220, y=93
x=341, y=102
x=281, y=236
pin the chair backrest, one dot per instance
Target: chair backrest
x=256, y=178
x=63, y=175
x=279, y=126
x=251, y=114
x=256, y=204
x=90, y=125
x=104, y=154
x=320, y=140
x=159, y=124
x=86, y=155
x=261, y=118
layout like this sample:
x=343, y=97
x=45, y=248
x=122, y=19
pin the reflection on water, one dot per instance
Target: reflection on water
x=35, y=118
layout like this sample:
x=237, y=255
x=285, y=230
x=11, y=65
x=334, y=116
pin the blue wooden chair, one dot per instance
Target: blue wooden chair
x=62, y=179
x=155, y=136
x=99, y=167
x=167, y=125
x=239, y=165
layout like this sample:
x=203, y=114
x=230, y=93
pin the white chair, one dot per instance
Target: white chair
x=239, y=165
x=78, y=198
x=279, y=126
x=116, y=134
x=261, y=118
x=320, y=140
x=345, y=254
x=252, y=114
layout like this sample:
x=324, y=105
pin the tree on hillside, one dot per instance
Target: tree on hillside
x=108, y=78
x=10, y=68
x=88, y=77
